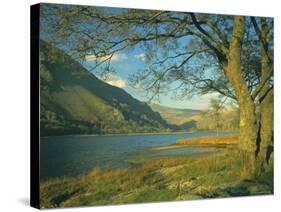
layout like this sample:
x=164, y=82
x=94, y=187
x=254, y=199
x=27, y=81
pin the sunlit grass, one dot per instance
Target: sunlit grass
x=210, y=140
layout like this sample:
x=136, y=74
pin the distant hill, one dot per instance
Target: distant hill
x=227, y=121
x=199, y=120
x=74, y=101
x=180, y=117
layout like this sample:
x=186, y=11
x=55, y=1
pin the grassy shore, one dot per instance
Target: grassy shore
x=231, y=139
x=160, y=179
x=208, y=141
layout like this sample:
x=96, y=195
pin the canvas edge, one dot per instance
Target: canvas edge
x=34, y=106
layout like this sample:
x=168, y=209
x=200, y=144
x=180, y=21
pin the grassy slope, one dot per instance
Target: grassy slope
x=158, y=179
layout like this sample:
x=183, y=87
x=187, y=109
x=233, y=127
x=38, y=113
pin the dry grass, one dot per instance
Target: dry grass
x=210, y=140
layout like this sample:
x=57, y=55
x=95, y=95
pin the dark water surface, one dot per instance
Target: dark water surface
x=75, y=155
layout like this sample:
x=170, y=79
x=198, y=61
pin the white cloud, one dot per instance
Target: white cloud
x=209, y=96
x=141, y=57
x=115, y=80
x=115, y=58
x=118, y=83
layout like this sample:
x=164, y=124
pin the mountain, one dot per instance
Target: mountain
x=176, y=116
x=74, y=101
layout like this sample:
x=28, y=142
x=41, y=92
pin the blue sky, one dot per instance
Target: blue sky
x=126, y=63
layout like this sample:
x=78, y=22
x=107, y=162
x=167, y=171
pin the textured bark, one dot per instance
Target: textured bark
x=265, y=147
x=248, y=122
x=248, y=137
x=266, y=132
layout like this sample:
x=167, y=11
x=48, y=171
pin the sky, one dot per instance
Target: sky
x=126, y=63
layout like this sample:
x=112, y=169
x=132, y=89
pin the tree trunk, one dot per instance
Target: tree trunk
x=248, y=122
x=266, y=133
x=248, y=137
x=265, y=147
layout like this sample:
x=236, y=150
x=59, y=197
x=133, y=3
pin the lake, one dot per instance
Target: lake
x=79, y=154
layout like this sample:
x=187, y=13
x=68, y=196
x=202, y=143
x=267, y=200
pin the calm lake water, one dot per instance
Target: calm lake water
x=75, y=155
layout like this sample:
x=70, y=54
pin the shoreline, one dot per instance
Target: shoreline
x=130, y=134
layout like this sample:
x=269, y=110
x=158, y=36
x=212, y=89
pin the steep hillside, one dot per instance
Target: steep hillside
x=74, y=101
